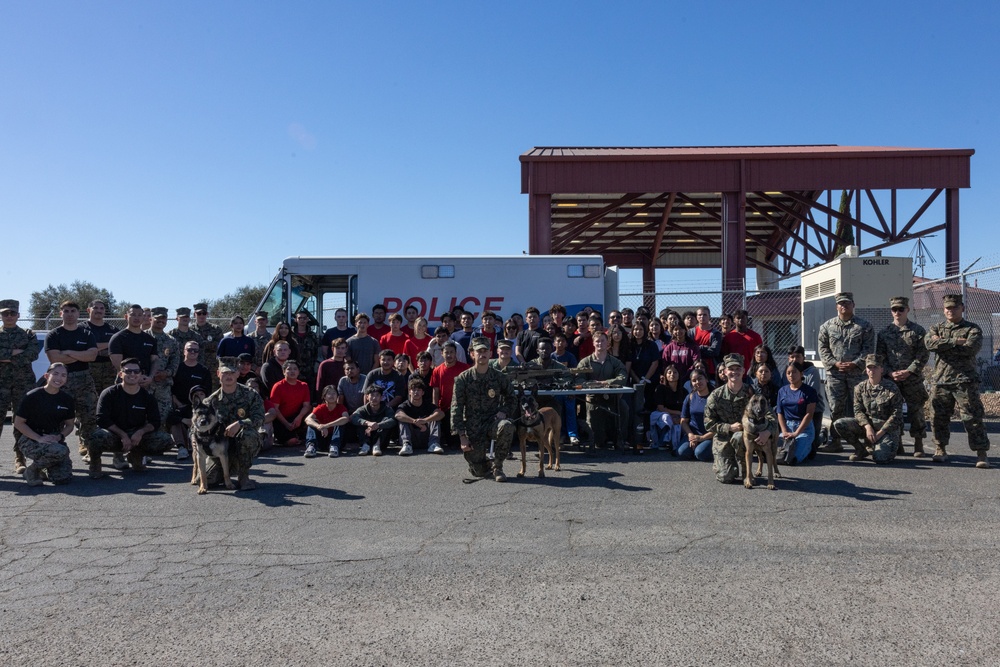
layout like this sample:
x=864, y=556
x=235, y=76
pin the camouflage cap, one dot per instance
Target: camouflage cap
x=201, y=307
x=844, y=296
x=899, y=302
x=503, y=342
x=951, y=300
x=183, y=311
x=480, y=343
x=10, y=304
x=733, y=359
x=159, y=311
x=260, y=313
x=229, y=365
x=873, y=360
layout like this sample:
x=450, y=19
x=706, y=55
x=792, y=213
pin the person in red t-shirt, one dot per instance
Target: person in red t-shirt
x=443, y=386
x=709, y=339
x=332, y=369
x=410, y=328
x=742, y=339
x=378, y=327
x=395, y=340
x=292, y=400
x=419, y=340
x=324, y=424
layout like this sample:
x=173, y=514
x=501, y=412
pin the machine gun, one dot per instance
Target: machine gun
x=535, y=377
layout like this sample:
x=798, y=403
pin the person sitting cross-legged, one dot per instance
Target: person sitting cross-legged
x=419, y=420
x=324, y=424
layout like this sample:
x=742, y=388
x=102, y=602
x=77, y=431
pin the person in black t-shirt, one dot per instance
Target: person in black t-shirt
x=75, y=346
x=134, y=343
x=101, y=369
x=44, y=418
x=419, y=420
x=129, y=421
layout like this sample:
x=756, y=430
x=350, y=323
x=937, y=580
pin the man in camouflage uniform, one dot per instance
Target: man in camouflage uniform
x=724, y=418
x=101, y=369
x=482, y=401
x=308, y=344
x=844, y=342
x=606, y=413
x=18, y=349
x=877, y=425
x=901, y=345
x=242, y=410
x=168, y=357
x=183, y=332
x=956, y=343
x=261, y=337
x=212, y=335
x=75, y=346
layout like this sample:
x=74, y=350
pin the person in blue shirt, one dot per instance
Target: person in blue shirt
x=697, y=442
x=796, y=408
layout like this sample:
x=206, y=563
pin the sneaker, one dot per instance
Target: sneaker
x=435, y=449
x=365, y=450
x=377, y=450
x=310, y=451
x=983, y=461
x=118, y=462
x=182, y=453
x=31, y=476
x=334, y=451
x=940, y=456
x=406, y=450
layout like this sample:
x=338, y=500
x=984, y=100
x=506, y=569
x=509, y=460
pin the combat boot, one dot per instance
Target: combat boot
x=983, y=461
x=918, y=447
x=860, y=452
x=832, y=447
x=31, y=475
x=19, y=462
x=498, y=472
x=95, y=468
x=135, y=460
x=940, y=455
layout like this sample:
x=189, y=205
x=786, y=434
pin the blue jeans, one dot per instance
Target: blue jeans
x=666, y=431
x=315, y=438
x=702, y=451
x=800, y=447
x=569, y=415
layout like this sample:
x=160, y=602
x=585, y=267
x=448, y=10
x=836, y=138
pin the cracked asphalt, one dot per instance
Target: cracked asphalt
x=617, y=559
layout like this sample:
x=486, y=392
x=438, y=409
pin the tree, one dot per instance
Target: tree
x=242, y=301
x=45, y=303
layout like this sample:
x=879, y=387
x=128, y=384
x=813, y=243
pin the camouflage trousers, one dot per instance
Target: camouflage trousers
x=212, y=364
x=242, y=450
x=102, y=440
x=11, y=393
x=607, y=420
x=164, y=401
x=50, y=457
x=104, y=375
x=970, y=405
x=915, y=396
x=727, y=457
x=80, y=386
x=501, y=435
x=883, y=451
x=840, y=393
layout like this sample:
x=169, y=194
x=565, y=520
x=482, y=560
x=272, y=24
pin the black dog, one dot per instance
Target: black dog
x=209, y=437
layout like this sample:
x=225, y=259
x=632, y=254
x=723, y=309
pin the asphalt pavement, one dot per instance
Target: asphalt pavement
x=615, y=560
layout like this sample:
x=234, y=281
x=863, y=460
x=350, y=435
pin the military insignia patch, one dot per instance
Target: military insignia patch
x=241, y=413
x=492, y=393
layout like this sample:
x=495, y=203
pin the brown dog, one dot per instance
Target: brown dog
x=541, y=425
x=754, y=422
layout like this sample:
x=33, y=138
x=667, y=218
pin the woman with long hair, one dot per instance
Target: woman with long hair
x=697, y=442
x=665, y=420
x=281, y=332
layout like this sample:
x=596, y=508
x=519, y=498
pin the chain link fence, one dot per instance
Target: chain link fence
x=776, y=316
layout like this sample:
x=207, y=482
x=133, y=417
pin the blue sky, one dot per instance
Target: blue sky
x=171, y=151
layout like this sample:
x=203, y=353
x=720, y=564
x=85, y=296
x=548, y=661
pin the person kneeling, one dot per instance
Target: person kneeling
x=128, y=421
x=877, y=424
x=44, y=418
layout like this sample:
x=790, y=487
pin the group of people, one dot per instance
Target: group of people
x=389, y=379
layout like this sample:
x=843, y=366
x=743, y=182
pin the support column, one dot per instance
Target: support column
x=952, y=262
x=539, y=224
x=649, y=285
x=734, y=254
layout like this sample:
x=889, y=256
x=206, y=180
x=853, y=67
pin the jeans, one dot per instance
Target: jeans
x=702, y=451
x=320, y=441
x=799, y=448
x=665, y=429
